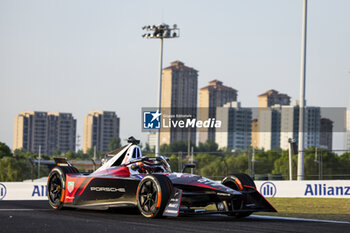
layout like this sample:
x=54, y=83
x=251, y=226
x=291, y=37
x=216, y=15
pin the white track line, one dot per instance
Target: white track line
x=21, y=209
x=298, y=219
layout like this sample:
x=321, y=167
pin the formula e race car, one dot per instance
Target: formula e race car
x=130, y=180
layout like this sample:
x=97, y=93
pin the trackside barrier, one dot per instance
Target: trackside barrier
x=23, y=191
x=309, y=188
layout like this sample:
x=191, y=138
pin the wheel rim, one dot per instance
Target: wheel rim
x=55, y=188
x=148, y=197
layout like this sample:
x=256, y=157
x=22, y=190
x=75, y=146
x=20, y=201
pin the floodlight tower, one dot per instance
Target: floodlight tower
x=162, y=31
x=302, y=95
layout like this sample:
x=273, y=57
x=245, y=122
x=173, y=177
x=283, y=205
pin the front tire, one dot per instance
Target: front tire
x=153, y=194
x=237, y=182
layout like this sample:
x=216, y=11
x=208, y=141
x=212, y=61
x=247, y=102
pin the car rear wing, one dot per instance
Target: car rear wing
x=62, y=161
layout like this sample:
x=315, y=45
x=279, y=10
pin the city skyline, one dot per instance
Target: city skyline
x=57, y=131
x=269, y=100
x=57, y=60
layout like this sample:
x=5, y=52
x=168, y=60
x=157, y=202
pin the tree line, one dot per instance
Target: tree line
x=19, y=165
x=272, y=164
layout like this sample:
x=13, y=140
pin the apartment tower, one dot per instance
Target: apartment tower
x=235, y=132
x=49, y=131
x=99, y=128
x=312, y=131
x=210, y=97
x=179, y=97
x=326, y=133
x=272, y=97
x=260, y=131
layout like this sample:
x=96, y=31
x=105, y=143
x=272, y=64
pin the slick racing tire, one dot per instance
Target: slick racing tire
x=237, y=182
x=56, y=184
x=153, y=194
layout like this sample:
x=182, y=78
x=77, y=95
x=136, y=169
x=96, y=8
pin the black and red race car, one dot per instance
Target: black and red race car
x=128, y=179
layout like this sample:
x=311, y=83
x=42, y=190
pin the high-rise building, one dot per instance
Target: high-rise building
x=269, y=125
x=271, y=98
x=312, y=126
x=99, y=128
x=347, y=133
x=290, y=125
x=266, y=100
x=235, y=132
x=326, y=133
x=49, y=131
x=179, y=97
x=212, y=96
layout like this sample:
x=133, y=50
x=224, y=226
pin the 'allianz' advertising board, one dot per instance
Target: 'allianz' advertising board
x=324, y=189
x=23, y=191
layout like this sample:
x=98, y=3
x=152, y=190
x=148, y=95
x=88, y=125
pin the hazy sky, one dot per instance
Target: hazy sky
x=77, y=56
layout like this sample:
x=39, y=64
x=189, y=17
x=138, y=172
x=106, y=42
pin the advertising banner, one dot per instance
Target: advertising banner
x=307, y=188
x=23, y=191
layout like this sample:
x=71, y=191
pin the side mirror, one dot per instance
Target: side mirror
x=188, y=165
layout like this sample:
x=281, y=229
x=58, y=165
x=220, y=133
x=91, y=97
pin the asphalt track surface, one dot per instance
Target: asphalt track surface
x=37, y=216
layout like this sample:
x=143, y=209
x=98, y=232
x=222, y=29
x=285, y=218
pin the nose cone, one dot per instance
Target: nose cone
x=199, y=181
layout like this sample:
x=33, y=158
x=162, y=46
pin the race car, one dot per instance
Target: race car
x=130, y=180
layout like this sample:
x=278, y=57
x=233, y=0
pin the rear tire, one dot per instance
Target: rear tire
x=56, y=184
x=153, y=194
x=237, y=182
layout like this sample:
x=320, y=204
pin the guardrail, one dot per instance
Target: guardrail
x=305, y=189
